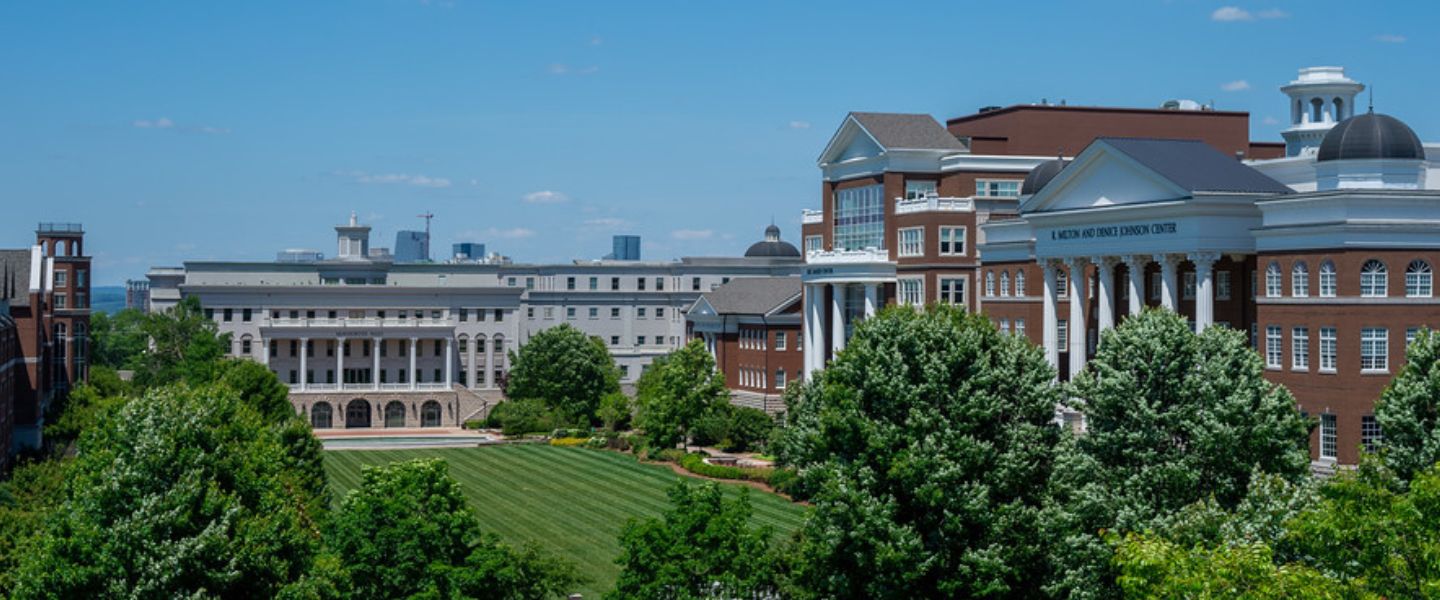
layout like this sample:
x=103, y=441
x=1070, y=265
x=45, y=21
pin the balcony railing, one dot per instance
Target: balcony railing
x=394, y=387
x=867, y=255
x=357, y=322
x=59, y=228
x=933, y=204
x=810, y=216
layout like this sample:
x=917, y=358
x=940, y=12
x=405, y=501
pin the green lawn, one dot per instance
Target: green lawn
x=572, y=501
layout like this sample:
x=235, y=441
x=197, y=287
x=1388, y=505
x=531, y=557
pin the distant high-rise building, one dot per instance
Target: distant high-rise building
x=467, y=251
x=137, y=294
x=412, y=246
x=627, y=247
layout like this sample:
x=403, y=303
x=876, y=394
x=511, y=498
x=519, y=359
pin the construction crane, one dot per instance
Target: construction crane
x=426, y=249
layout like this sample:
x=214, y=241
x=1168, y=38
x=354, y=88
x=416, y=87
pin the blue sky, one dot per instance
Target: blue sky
x=202, y=130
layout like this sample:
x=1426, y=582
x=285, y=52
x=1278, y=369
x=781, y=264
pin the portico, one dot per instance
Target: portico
x=841, y=288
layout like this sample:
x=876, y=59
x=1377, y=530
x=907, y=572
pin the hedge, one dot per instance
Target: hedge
x=569, y=441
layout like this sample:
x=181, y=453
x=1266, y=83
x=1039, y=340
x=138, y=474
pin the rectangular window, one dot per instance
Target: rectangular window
x=813, y=243
x=61, y=279
x=1300, y=348
x=1328, y=347
x=780, y=340
x=952, y=291
x=695, y=284
x=1299, y=281
x=529, y=283
x=659, y=284
x=1272, y=346
x=549, y=312
x=570, y=312
x=1222, y=285
x=997, y=188
x=1062, y=335
x=952, y=241
x=1328, y=436
x=499, y=315
x=1327, y=280
x=614, y=284
x=1374, y=349
x=1188, y=290
x=245, y=347
x=615, y=312
x=1004, y=326
x=860, y=218
x=594, y=283
x=464, y=315
x=780, y=379
x=569, y=283
x=1155, y=284
x=510, y=281
x=912, y=291
x=640, y=283
x=1370, y=434
x=639, y=340
x=594, y=312
x=912, y=241
x=1410, y=333
x=614, y=340
x=530, y=312
x=1020, y=327
x=639, y=312
x=229, y=314
x=659, y=312
x=919, y=190
x=1418, y=281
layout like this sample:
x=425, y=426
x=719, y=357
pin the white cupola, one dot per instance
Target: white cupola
x=353, y=240
x=1319, y=98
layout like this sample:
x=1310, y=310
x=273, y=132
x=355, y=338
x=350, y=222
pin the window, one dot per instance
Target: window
x=659, y=284
x=640, y=283
x=813, y=243
x=1327, y=279
x=780, y=379
x=569, y=283
x=594, y=312
x=61, y=279
x=530, y=312
x=639, y=340
x=1374, y=349
x=639, y=312
x=1327, y=436
x=659, y=312
x=912, y=241
x=1300, y=348
x=229, y=314
x=952, y=291
x=1370, y=434
x=1272, y=280
x=245, y=346
x=1062, y=282
x=989, y=284
x=499, y=315
x=918, y=190
x=1062, y=335
x=614, y=340
x=529, y=283
x=1019, y=283
x=1272, y=347
x=860, y=218
x=912, y=292
x=1300, y=280
x=1418, y=279
x=997, y=188
x=1188, y=289
x=780, y=340
x=1020, y=327
x=1373, y=279
x=1222, y=285
x=1155, y=284
x=510, y=281
x=570, y=312
x=952, y=241
x=615, y=312
x=1328, y=347
x=1005, y=284
x=1004, y=326
x=614, y=284
x=549, y=312
x=695, y=284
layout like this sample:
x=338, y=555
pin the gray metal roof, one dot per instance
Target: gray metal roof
x=1196, y=166
x=908, y=131
x=753, y=295
x=1370, y=135
x=15, y=277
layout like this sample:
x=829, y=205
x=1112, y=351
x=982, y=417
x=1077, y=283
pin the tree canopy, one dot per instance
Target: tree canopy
x=927, y=442
x=1409, y=410
x=184, y=346
x=567, y=370
x=676, y=391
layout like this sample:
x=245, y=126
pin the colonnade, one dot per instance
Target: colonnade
x=1076, y=288
x=816, y=344
x=492, y=351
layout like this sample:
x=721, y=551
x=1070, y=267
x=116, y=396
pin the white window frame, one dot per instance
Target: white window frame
x=990, y=284
x=919, y=189
x=1188, y=287
x=814, y=243
x=910, y=291
x=912, y=242
x=1374, y=279
x=1328, y=276
x=1300, y=349
x=1062, y=334
x=1274, y=350
x=1222, y=285
x=1419, y=279
x=992, y=188
x=1020, y=327
x=956, y=294
x=1004, y=284
x=1020, y=283
x=1329, y=349
x=1274, y=287
x=1062, y=282
x=1329, y=437
x=1374, y=350
x=955, y=238
x=1300, y=280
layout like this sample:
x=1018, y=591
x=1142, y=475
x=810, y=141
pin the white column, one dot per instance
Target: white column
x=304, y=362
x=811, y=329
x=1105, y=301
x=413, y=375
x=472, y=374
x=339, y=363
x=489, y=364
x=1076, y=326
x=375, y=363
x=449, y=360
x=1204, y=288
x=837, y=317
x=265, y=352
x=1168, y=292
x=1051, y=337
x=872, y=299
x=1136, y=266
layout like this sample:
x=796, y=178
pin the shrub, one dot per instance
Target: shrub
x=713, y=427
x=786, y=481
x=478, y=424
x=673, y=455
x=748, y=429
x=569, y=442
x=695, y=463
x=615, y=411
x=519, y=417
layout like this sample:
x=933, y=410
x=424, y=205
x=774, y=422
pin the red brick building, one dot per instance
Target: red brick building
x=751, y=326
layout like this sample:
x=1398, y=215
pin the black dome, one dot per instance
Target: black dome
x=771, y=246
x=1370, y=136
x=1041, y=175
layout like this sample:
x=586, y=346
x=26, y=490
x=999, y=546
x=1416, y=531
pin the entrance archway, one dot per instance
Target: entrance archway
x=357, y=413
x=321, y=416
x=430, y=414
x=394, y=414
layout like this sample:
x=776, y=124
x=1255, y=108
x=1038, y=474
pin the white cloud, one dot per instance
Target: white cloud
x=1390, y=38
x=166, y=123
x=160, y=123
x=1273, y=13
x=596, y=40
x=1231, y=13
x=564, y=69
x=1270, y=121
x=1239, y=85
x=692, y=234
x=424, y=181
x=799, y=124
x=546, y=197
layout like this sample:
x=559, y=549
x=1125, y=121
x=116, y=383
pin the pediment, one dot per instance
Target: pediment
x=850, y=142
x=1102, y=176
x=702, y=307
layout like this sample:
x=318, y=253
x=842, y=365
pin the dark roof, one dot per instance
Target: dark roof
x=907, y=131
x=1370, y=135
x=753, y=295
x=1196, y=166
x=15, y=277
x=1041, y=175
x=771, y=246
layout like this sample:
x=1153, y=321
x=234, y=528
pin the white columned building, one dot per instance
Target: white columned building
x=841, y=287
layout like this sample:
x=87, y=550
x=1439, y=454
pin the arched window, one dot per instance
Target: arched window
x=1004, y=283
x=1273, y=287
x=1062, y=282
x=1298, y=113
x=1418, y=279
x=1019, y=282
x=322, y=416
x=430, y=414
x=245, y=344
x=1327, y=279
x=394, y=414
x=989, y=283
x=1373, y=279
x=1317, y=110
x=1300, y=280
x=1339, y=109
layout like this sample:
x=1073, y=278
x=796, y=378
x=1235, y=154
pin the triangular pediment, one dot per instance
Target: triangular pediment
x=702, y=307
x=850, y=142
x=1102, y=176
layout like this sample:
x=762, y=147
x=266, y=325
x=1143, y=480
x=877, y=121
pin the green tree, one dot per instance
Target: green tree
x=184, y=346
x=703, y=544
x=927, y=444
x=27, y=499
x=676, y=391
x=181, y=493
x=615, y=411
x=1409, y=410
x=566, y=369
x=408, y=532
x=119, y=340
x=1172, y=418
x=1152, y=567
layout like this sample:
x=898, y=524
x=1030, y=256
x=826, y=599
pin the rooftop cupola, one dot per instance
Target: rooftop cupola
x=353, y=240
x=1319, y=98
